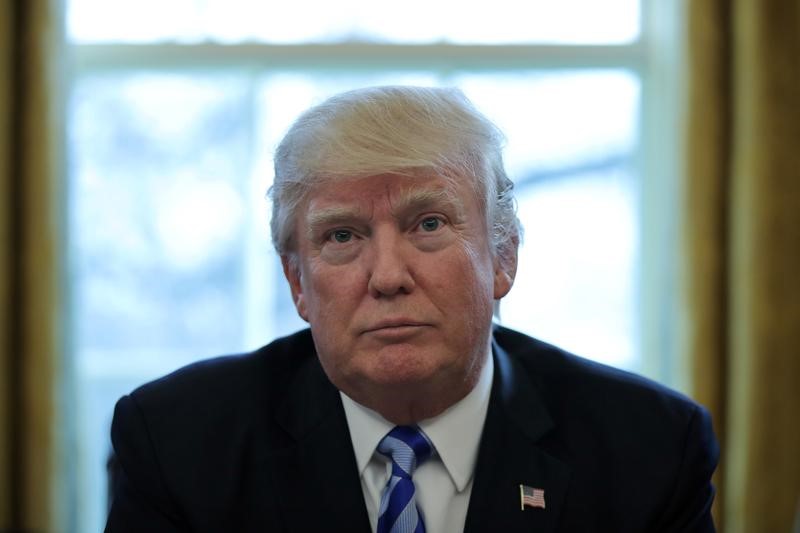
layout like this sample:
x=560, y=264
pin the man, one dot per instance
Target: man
x=403, y=408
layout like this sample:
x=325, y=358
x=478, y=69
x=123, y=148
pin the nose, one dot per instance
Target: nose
x=389, y=268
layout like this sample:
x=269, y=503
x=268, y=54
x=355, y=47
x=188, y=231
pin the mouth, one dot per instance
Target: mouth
x=396, y=327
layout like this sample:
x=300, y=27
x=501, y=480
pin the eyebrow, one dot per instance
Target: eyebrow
x=414, y=199
x=330, y=216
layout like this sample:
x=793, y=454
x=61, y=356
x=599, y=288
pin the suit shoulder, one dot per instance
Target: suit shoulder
x=186, y=441
x=206, y=412
x=569, y=381
x=264, y=372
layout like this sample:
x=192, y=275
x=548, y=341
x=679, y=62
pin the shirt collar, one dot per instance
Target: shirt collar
x=454, y=433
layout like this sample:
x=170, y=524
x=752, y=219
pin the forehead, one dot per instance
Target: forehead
x=399, y=190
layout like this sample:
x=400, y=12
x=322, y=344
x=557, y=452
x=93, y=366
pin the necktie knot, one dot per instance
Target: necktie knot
x=407, y=447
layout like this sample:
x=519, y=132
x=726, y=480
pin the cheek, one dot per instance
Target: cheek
x=479, y=270
x=465, y=284
x=331, y=293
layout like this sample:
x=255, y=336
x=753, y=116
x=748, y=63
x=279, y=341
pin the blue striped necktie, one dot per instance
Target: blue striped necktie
x=407, y=447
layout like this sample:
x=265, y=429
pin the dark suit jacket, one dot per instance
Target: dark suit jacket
x=260, y=442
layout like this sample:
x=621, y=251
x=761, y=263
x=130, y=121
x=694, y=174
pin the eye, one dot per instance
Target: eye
x=430, y=224
x=341, y=235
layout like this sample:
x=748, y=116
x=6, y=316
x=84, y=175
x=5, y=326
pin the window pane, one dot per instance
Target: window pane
x=414, y=21
x=576, y=284
x=572, y=138
x=556, y=119
x=158, y=210
x=159, y=216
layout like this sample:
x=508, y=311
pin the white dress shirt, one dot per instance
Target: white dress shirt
x=444, y=482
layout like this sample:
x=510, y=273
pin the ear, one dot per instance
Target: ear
x=291, y=269
x=505, y=267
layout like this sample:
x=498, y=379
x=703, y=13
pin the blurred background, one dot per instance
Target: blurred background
x=653, y=146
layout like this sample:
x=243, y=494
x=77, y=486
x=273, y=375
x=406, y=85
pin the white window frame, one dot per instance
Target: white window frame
x=656, y=58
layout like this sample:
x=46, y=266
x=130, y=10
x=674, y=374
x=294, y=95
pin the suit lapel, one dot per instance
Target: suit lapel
x=317, y=477
x=509, y=457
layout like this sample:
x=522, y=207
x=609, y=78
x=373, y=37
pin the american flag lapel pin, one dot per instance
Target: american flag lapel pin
x=530, y=496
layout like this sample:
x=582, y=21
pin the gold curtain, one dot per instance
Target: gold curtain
x=742, y=235
x=29, y=230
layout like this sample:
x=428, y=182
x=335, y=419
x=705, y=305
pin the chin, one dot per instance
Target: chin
x=402, y=365
x=403, y=380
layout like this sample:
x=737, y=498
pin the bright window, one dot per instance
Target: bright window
x=303, y=21
x=175, y=108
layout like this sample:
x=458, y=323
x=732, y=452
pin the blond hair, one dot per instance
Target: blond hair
x=398, y=129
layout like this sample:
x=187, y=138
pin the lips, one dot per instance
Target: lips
x=395, y=324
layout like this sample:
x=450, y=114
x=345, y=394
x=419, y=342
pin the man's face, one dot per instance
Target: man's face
x=397, y=278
